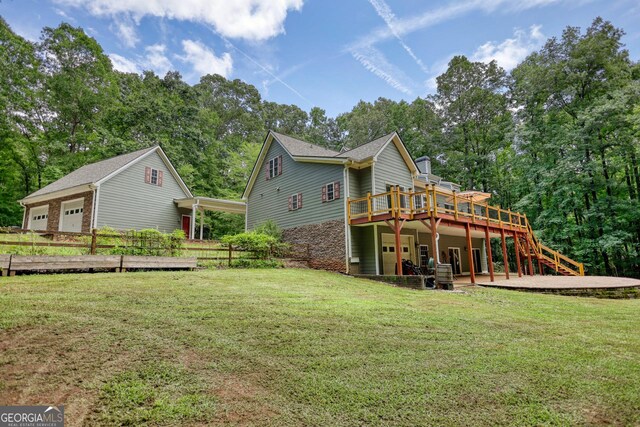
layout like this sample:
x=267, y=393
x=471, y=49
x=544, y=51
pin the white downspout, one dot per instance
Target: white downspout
x=375, y=248
x=373, y=178
x=347, y=226
x=201, y=222
x=192, y=230
x=25, y=220
x=96, y=204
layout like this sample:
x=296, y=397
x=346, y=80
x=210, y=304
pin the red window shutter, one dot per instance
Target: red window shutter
x=266, y=171
x=299, y=200
x=159, y=178
x=147, y=175
x=290, y=203
x=280, y=165
x=324, y=193
x=336, y=190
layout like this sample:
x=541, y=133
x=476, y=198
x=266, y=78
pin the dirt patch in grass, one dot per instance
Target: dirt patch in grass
x=47, y=366
x=243, y=401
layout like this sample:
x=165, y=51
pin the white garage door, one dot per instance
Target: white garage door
x=38, y=218
x=72, y=216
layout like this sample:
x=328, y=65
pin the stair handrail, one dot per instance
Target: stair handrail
x=557, y=256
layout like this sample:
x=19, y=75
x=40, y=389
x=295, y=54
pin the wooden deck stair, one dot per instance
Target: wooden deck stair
x=547, y=256
x=457, y=210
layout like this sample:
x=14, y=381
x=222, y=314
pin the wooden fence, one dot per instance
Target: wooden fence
x=56, y=243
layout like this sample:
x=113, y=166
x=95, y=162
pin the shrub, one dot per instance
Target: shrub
x=256, y=263
x=261, y=245
x=150, y=242
x=270, y=228
x=258, y=243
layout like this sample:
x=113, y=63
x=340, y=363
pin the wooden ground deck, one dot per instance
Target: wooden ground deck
x=590, y=286
x=560, y=282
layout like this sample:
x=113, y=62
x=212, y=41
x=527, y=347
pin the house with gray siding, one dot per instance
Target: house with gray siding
x=133, y=191
x=309, y=192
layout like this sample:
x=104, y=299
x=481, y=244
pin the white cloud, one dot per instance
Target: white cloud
x=398, y=28
x=384, y=11
x=246, y=19
x=154, y=59
x=126, y=31
x=436, y=16
x=266, y=84
x=123, y=64
x=511, y=51
x=266, y=69
x=438, y=68
x=374, y=61
x=64, y=15
x=204, y=61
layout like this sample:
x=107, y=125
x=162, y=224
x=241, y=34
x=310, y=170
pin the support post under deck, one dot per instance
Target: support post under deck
x=396, y=230
x=472, y=270
x=540, y=268
x=505, y=260
x=487, y=240
x=517, y=247
x=529, y=263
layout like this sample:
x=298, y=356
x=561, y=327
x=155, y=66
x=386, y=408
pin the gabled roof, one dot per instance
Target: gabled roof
x=91, y=173
x=96, y=173
x=368, y=150
x=298, y=148
x=302, y=151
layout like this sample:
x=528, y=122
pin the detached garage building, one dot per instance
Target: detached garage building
x=132, y=191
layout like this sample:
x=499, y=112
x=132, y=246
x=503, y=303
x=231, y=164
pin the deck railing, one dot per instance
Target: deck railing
x=433, y=202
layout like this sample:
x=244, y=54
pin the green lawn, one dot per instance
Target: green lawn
x=298, y=347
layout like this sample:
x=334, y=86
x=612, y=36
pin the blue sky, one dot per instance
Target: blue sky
x=322, y=53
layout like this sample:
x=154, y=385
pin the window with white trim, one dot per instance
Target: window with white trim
x=331, y=191
x=330, y=194
x=153, y=176
x=274, y=167
x=295, y=202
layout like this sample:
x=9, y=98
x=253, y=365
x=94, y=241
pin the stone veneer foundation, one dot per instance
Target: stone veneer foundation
x=53, y=222
x=326, y=244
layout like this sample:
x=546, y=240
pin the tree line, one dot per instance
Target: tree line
x=556, y=138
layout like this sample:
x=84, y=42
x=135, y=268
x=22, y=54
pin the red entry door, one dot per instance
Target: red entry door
x=186, y=225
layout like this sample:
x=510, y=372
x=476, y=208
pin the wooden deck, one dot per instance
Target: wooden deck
x=434, y=206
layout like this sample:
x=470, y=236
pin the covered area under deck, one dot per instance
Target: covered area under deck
x=469, y=255
x=191, y=206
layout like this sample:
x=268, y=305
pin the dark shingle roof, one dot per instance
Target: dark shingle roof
x=91, y=173
x=297, y=147
x=367, y=150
